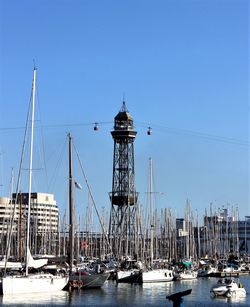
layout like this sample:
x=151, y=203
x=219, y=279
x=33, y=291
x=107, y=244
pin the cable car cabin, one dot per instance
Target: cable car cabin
x=96, y=127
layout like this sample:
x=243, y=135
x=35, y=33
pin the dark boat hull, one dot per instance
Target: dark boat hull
x=88, y=280
x=133, y=276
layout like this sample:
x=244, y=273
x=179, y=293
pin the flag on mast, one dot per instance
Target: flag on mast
x=77, y=185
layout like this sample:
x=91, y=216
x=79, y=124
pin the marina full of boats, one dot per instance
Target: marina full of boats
x=55, y=275
x=164, y=248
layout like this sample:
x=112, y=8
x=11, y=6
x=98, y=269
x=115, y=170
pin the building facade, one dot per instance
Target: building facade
x=44, y=222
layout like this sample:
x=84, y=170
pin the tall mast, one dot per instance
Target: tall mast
x=30, y=164
x=151, y=214
x=71, y=226
x=20, y=230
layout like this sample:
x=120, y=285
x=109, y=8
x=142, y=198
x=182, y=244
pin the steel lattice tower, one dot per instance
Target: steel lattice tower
x=123, y=226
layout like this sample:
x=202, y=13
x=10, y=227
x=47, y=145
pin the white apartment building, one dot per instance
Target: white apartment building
x=44, y=213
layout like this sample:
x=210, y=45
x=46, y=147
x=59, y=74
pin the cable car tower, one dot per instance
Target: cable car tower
x=123, y=225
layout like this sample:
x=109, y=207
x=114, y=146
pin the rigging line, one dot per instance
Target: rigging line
x=93, y=201
x=1, y=167
x=42, y=135
x=57, y=166
x=7, y=202
x=11, y=225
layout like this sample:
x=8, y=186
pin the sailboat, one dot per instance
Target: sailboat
x=36, y=282
x=80, y=277
x=130, y=271
x=154, y=274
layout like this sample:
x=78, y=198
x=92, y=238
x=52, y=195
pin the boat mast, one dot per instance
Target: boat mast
x=20, y=230
x=30, y=165
x=71, y=226
x=151, y=214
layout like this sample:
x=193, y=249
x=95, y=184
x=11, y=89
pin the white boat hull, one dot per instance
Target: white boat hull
x=188, y=275
x=33, y=284
x=228, y=289
x=224, y=291
x=159, y=275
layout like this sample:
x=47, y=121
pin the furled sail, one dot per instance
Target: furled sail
x=35, y=263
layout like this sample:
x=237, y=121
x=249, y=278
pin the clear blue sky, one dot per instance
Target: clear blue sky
x=183, y=69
